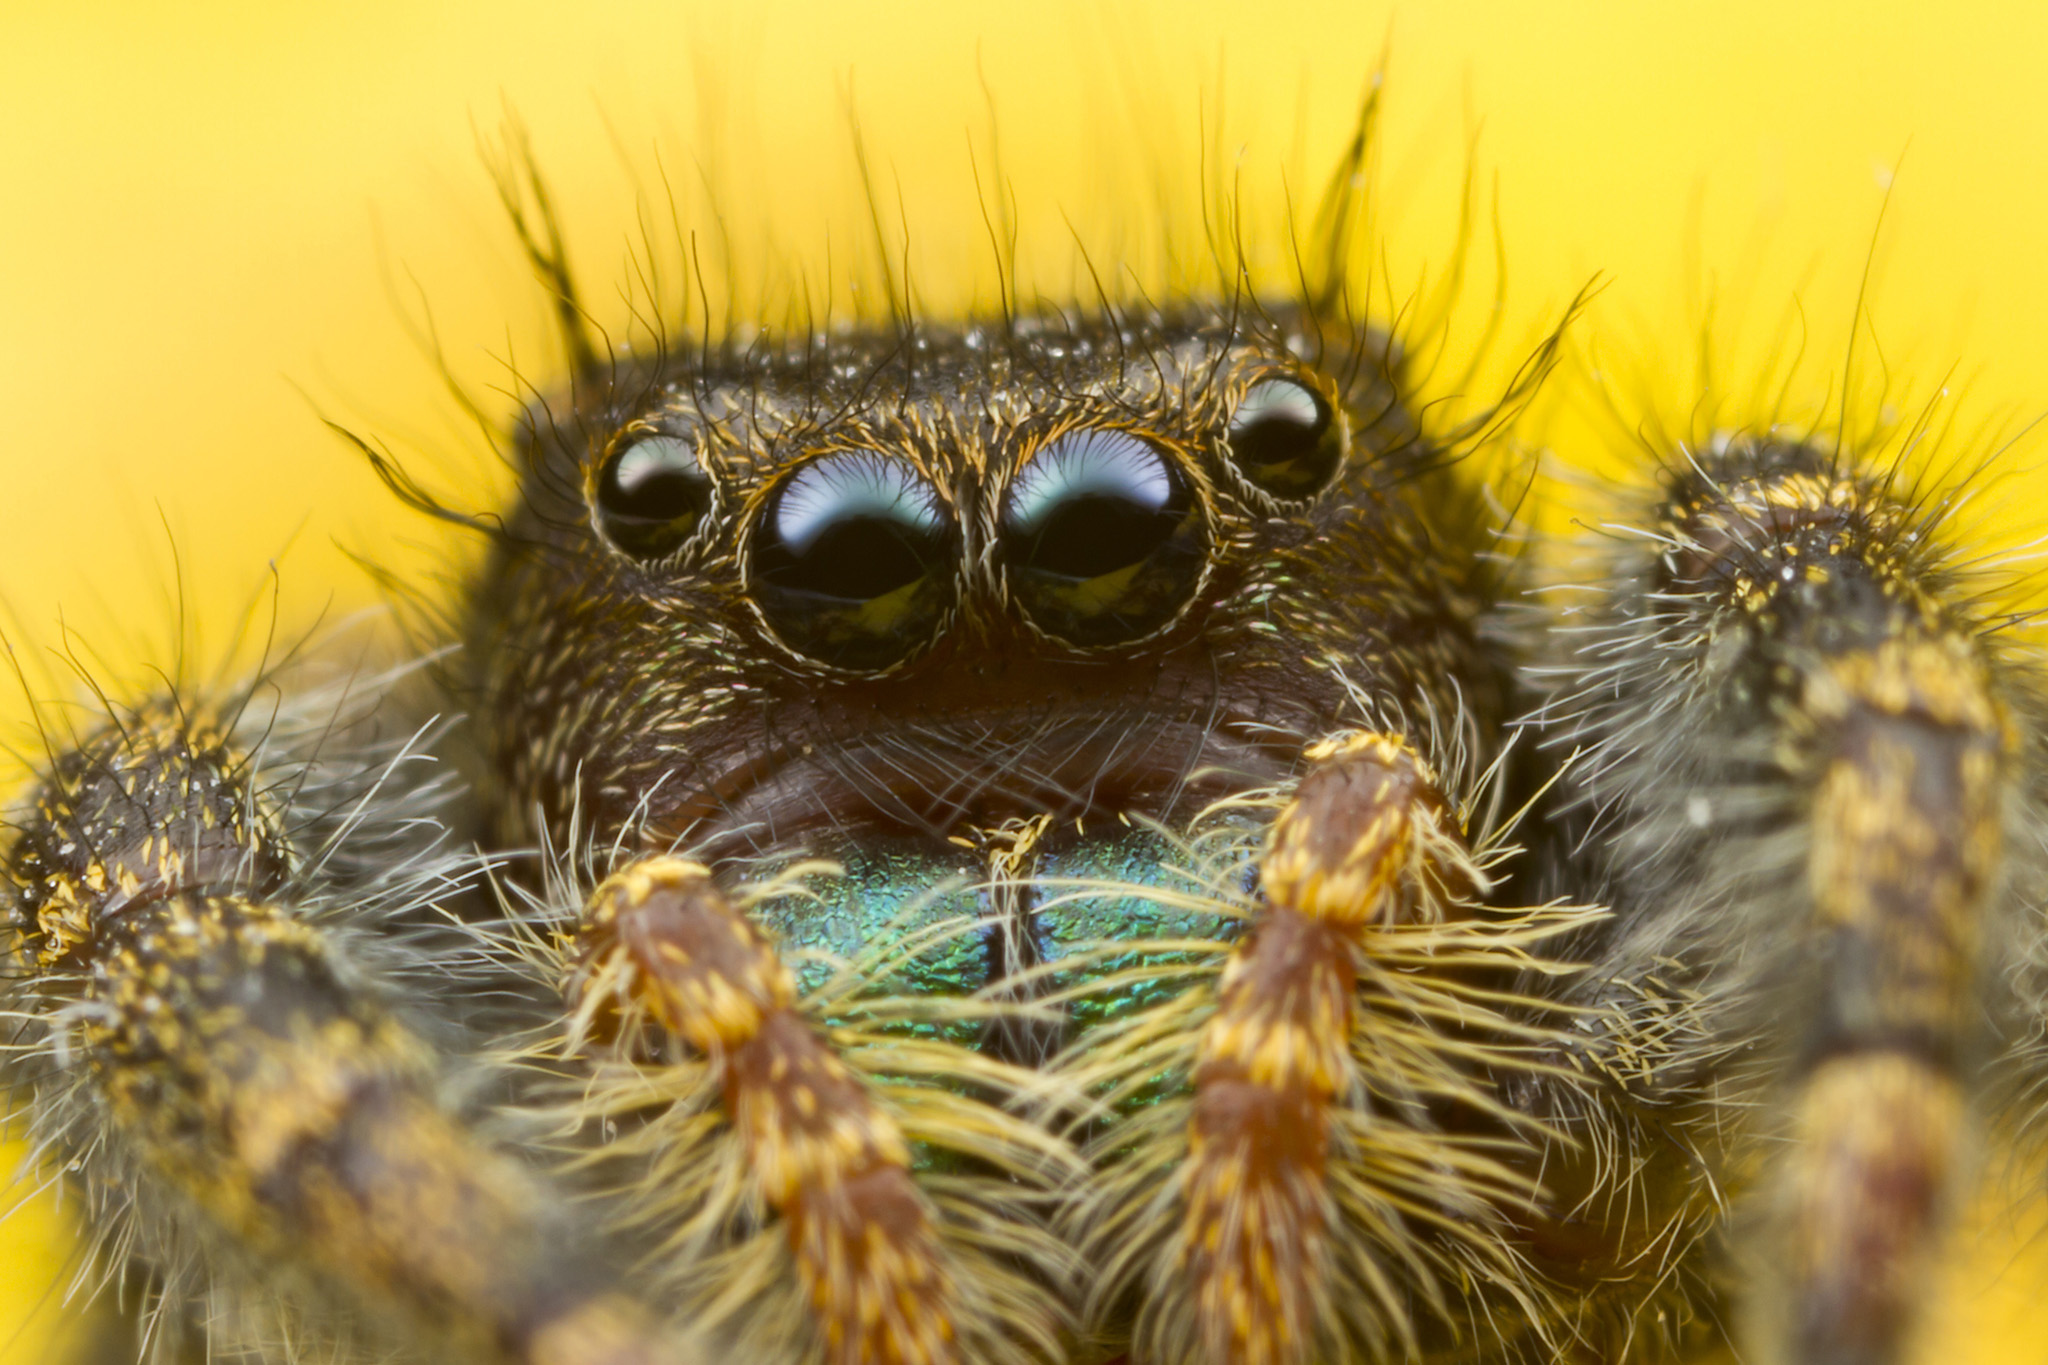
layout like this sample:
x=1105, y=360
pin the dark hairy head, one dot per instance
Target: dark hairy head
x=911, y=577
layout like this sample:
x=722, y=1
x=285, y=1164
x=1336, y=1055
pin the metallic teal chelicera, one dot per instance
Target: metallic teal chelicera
x=929, y=927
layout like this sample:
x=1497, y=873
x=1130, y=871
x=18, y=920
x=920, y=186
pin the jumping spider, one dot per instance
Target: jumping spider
x=1055, y=839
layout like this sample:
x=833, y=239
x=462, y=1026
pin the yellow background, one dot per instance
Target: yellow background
x=212, y=218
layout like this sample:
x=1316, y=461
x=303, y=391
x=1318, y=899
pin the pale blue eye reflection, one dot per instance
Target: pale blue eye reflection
x=847, y=487
x=654, y=458
x=1280, y=400
x=1093, y=462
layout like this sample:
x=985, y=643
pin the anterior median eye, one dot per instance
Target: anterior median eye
x=1103, y=538
x=1286, y=439
x=652, y=495
x=852, y=561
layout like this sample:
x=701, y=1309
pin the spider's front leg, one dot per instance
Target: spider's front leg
x=227, y=1077
x=1808, y=746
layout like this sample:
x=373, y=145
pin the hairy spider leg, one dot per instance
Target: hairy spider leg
x=231, y=1075
x=1809, y=747
x=823, y=1155
x=1338, y=1163
x=886, y=1275
x=1275, y=1059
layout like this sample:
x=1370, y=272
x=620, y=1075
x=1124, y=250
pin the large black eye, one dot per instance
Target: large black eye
x=852, y=561
x=1285, y=439
x=1103, y=538
x=652, y=495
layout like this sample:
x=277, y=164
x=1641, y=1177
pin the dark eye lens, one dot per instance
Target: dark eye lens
x=652, y=496
x=1103, y=538
x=852, y=561
x=1285, y=439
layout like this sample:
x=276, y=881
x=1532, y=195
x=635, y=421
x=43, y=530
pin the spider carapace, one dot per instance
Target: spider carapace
x=1057, y=838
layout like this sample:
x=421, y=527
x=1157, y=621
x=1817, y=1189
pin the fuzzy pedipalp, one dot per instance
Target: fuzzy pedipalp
x=768, y=1123
x=1297, y=1157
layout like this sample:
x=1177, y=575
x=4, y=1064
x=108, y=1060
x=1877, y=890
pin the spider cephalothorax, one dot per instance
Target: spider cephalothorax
x=935, y=581
x=1015, y=840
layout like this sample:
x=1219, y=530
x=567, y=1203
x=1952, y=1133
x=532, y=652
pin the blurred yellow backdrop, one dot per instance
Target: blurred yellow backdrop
x=217, y=214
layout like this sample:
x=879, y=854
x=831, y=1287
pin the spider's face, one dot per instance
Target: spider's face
x=854, y=588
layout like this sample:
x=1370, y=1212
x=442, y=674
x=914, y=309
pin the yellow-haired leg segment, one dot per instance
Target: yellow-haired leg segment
x=1305, y=1154
x=1906, y=844
x=819, y=1150
x=225, y=1080
x=1804, y=746
x=1276, y=1056
x=1348, y=1179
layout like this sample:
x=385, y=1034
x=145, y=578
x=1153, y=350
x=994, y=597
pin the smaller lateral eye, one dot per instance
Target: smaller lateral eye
x=652, y=495
x=1286, y=439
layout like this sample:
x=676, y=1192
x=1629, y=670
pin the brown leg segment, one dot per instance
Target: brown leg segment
x=1801, y=741
x=1905, y=847
x=229, y=1064
x=1275, y=1059
x=822, y=1153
